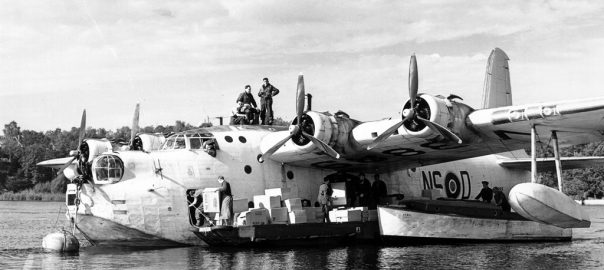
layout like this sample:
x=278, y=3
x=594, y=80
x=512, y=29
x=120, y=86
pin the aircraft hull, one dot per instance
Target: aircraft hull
x=103, y=232
x=403, y=226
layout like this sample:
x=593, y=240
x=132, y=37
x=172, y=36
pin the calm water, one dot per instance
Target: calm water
x=24, y=224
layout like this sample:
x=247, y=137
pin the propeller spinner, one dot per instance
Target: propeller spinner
x=411, y=113
x=297, y=129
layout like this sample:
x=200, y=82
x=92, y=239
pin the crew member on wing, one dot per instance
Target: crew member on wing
x=363, y=190
x=226, y=207
x=251, y=110
x=486, y=193
x=266, y=94
x=238, y=116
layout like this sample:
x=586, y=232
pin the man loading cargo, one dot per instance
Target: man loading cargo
x=196, y=205
x=226, y=207
x=324, y=199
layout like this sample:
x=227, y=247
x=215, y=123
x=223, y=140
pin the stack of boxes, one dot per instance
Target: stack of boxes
x=268, y=209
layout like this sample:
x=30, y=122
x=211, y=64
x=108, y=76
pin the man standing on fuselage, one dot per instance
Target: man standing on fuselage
x=266, y=94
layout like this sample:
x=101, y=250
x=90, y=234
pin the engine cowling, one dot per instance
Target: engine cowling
x=322, y=126
x=440, y=110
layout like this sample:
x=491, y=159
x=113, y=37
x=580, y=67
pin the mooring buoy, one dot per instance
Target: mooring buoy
x=61, y=241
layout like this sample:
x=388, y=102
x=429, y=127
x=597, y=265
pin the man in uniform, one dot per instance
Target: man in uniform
x=266, y=94
x=379, y=192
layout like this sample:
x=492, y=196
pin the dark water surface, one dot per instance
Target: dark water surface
x=24, y=224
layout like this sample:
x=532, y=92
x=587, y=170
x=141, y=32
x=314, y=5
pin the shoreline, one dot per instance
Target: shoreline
x=29, y=195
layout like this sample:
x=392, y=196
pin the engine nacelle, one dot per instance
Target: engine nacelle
x=92, y=148
x=322, y=126
x=440, y=110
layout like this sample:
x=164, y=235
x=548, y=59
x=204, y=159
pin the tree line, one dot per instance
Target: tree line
x=20, y=151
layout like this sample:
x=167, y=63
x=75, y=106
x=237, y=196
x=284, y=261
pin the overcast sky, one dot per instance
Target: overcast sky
x=187, y=60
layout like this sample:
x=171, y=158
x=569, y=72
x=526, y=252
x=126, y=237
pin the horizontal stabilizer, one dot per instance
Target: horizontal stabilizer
x=548, y=164
x=56, y=163
x=546, y=205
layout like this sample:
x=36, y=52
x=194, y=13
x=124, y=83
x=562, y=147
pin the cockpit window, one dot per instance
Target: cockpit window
x=193, y=141
x=180, y=142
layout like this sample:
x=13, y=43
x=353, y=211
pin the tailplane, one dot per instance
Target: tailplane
x=497, y=88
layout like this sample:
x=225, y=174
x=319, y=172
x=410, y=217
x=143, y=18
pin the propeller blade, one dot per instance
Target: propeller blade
x=67, y=164
x=82, y=129
x=276, y=147
x=300, y=98
x=390, y=131
x=323, y=146
x=442, y=130
x=134, y=129
x=413, y=81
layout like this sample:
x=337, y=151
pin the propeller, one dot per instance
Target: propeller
x=410, y=114
x=80, y=139
x=134, y=129
x=297, y=129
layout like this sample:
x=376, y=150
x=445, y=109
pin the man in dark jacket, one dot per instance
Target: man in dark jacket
x=379, y=192
x=363, y=190
x=266, y=94
x=249, y=102
x=486, y=193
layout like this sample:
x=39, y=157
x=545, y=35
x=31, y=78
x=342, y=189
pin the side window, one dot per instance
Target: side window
x=180, y=142
x=195, y=143
x=169, y=144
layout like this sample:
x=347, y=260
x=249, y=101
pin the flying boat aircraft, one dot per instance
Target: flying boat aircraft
x=138, y=196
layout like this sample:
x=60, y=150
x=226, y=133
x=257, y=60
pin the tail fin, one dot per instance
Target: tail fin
x=497, y=88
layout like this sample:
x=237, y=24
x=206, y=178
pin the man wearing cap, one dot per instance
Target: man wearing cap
x=486, y=193
x=266, y=94
x=226, y=207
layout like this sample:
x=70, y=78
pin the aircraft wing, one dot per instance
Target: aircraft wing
x=56, y=163
x=575, y=122
x=548, y=164
x=483, y=132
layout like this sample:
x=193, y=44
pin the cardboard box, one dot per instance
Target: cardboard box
x=240, y=205
x=347, y=215
x=253, y=217
x=211, y=200
x=297, y=216
x=279, y=215
x=266, y=201
x=338, y=196
x=285, y=193
x=432, y=194
x=314, y=214
x=293, y=204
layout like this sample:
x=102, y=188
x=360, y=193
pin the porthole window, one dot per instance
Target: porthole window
x=242, y=139
x=228, y=139
x=290, y=175
x=247, y=169
x=107, y=169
